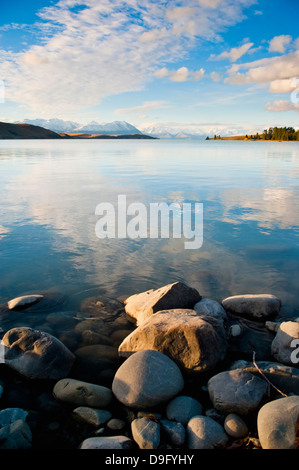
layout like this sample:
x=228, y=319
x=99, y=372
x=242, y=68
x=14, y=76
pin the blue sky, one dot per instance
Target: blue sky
x=218, y=65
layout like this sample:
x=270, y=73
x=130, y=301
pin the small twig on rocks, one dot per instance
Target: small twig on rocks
x=267, y=380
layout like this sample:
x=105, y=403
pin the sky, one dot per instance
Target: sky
x=225, y=65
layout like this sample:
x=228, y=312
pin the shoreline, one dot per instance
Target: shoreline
x=107, y=344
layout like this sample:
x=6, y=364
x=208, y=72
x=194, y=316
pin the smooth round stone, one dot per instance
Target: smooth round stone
x=116, y=424
x=146, y=379
x=257, y=306
x=82, y=393
x=236, y=391
x=235, y=426
x=205, y=433
x=183, y=408
x=211, y=307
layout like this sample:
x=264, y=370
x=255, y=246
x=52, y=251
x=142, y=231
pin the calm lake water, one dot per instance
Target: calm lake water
x=50, y=189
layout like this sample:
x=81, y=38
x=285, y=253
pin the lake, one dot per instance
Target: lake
x=50, y=190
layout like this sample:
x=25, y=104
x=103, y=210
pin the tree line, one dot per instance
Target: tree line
x=273, y=133
x=279, y=133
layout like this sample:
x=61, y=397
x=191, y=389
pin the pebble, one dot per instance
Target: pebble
x=111, y=442
x=92, y=416
x=235, y=426
x=174, y=431
x=146, y=433
x=82, y=393
x=116, y=424
x=205, y=433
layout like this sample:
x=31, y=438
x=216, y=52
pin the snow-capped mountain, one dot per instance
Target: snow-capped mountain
x=115, y=127
x=55, y=125
x=172, y=132
x=93, y=127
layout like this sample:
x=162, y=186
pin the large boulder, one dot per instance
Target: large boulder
x=177, y=295
x=196, y=343
x=236, y=391
x=255, y=306
x=277, y=422
x=146, y=379
x=36, y=354
x=286, y=343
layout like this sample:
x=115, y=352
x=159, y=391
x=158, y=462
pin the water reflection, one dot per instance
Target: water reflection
x=49, y=191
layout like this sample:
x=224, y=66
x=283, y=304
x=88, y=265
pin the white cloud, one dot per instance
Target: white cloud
x=234, y=54
x=279, y=106
x=278, y=73
x=279, y=43
x=286, y=85
x=183, y=74
x=108, y=47
x=145, y=107
x=215, y=76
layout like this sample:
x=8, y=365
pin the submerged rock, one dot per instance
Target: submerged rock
x=255, y=306
x=194, y=342
x=24, y=301
x=276, y=423
x=36, y=354
x=146, y=379
x=172, y=296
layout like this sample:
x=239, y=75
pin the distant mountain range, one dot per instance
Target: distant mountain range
x=93, y=127
x=29, y=131
x=170, y=130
